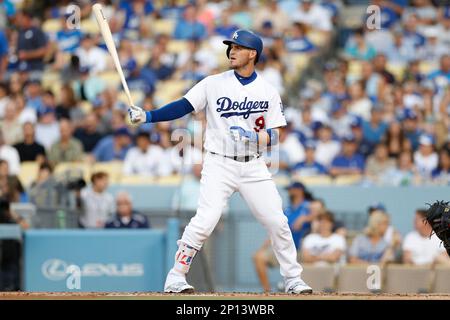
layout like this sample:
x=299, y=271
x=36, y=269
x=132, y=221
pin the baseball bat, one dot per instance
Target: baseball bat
x=107, y=37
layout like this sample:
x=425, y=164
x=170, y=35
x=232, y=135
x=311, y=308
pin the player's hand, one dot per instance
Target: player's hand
x=240, y=134
x=137, y=115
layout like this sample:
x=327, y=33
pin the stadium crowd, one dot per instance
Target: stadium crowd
x=375, y=113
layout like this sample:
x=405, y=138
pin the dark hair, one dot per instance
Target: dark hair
x=98, y=175
x=46, y=166
x=4, y=210
x=422, y=212
x=326, y=215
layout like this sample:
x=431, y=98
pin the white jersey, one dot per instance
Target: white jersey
x=254, y=107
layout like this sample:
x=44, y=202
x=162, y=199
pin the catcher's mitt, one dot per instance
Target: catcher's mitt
x=438, y=216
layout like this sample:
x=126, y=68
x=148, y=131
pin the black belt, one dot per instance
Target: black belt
x=236, y=158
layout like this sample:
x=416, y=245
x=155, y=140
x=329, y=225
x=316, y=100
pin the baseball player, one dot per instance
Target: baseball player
x=243, y=113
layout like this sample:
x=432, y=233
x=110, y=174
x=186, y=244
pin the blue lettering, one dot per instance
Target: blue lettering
x=246, y=107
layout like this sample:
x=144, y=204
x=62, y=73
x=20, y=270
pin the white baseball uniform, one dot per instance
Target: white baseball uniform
x=253, y=106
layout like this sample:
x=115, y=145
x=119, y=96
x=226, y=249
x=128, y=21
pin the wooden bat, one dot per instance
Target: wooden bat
x=107, y=37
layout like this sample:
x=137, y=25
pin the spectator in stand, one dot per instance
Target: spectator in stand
x=291, y=150
x=395, y=139
x=411, y=127
x=271, y=12
x=226, y=28
x=422, y=247
x=145, y=159
x=10, y=255
x=91, y=56
x=410, y=33
x=326, y=149
x=32, y=45
x=4, y=48
x=359, y=104
x=379, y=163
x=12, y=187
x=441, y=77
x=10, y=125
x=324, y=247
x=97, y=202
x=364, y=147
x=88, y=133
x=357, y=47
x=4, y=97
x=298, y=40
x=313, y=15
x=68, y=148
x=29, y=149
x=425, y=158
x=441, y=174
x=47, y=128
x=404, y=174
x=309, y=167
x=44, y=190
x=349, y=162
x=375, y=128
x=188, y=27
x=113, y=147
x=10, y=155
x=379, y=63
x=370, y=247
x=126, y=217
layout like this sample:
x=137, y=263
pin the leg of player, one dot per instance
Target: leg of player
x=265, y=203
x=216, y=186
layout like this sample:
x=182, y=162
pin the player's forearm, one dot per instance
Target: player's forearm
x=171, y=111
x=267, y=138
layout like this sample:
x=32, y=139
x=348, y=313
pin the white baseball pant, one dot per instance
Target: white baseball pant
x=221, y=177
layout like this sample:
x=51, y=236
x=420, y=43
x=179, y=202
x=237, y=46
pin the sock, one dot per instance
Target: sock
x=183, y=259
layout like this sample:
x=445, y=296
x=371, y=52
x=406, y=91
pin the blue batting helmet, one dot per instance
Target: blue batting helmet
x=246, y=39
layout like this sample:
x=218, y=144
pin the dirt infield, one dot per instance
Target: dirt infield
x=212, y=296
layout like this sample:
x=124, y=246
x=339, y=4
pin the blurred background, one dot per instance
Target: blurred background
x=365, y=87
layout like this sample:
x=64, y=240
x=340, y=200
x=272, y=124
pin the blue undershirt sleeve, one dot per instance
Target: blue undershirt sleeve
x=171, y=111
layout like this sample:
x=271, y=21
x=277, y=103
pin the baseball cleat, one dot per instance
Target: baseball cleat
x=298, y=287
x=176, y=283
x=179, y=287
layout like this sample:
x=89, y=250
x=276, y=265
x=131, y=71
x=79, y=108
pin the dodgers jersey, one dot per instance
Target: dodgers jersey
x=254, y=106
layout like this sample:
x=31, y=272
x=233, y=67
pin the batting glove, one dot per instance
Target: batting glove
x=137, y=115
x=240, y=134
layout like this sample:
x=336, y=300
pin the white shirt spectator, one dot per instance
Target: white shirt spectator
x=27, y=115
x=144, y=163
x=382, y=40
x=95, y=59
x=423, y=249
x=317, y=244
x=426, y=164
x=97, y=208
x=293, y=149
x=317, y=17
x=327, y=151
x=180, y=164
x=274, y=77
x=361, y=108
x=3, y=103
x=11, y=156
x=47, y=134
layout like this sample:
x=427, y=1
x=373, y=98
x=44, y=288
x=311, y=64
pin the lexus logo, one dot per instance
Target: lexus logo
x=54, y=269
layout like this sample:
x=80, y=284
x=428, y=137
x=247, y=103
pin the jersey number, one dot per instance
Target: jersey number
x=260, y=124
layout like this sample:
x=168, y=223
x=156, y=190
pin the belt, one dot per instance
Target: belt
x=236, y=158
